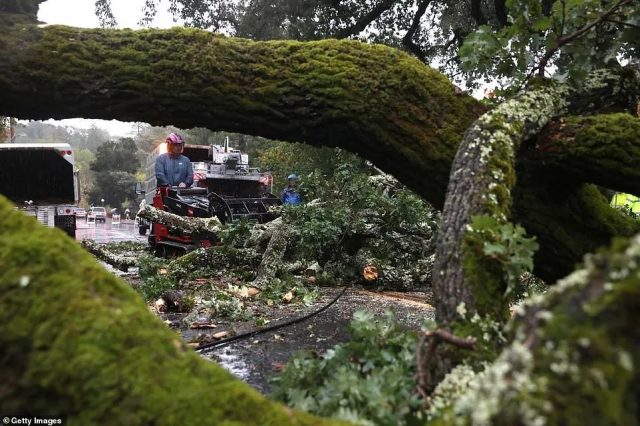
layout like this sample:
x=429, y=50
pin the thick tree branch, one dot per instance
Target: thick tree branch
x=365, y=20
x=568, y=221
x=101, y=252
x=372, y=100
x=483, y=177
x=189, y=224
x=407, y=40
x=598, y=149
x=573, y=356
x=476, y=12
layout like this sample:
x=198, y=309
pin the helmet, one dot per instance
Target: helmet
x=174, y=138
x=292, y=177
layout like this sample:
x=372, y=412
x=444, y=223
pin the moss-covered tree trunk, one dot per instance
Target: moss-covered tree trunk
x=483, y=177
x=573, y=356
x=471, y=266
x=370, y=99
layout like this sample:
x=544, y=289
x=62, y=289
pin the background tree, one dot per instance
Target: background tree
x=114, y=169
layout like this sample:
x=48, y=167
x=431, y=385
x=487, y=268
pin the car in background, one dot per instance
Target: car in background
x=81, y=213
x=98, y=213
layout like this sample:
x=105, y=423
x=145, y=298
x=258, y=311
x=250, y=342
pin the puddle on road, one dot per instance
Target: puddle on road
x=231, y=360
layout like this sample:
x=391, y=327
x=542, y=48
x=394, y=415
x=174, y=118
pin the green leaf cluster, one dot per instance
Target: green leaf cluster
x=567, y=38
x=508, y=245
x=236, y=233
x=153, y=283
x=369, y=380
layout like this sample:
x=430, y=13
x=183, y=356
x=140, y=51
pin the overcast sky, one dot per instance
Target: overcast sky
x=81, y=13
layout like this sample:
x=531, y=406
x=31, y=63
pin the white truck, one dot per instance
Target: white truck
x=42, y=181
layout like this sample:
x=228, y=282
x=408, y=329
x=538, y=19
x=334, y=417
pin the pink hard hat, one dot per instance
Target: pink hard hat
x=174, y=138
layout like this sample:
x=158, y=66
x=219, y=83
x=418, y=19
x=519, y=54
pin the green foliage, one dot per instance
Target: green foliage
x=227, y=304
x=369, y=380
x=507, y=245
x=236, y=233
x=149, y=265
x=575, y=36
x=314, y=165
x=278, y=287
x=153, y=282
x=353, y=202
x=153, y=287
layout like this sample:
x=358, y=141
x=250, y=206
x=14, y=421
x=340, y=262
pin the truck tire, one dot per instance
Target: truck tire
x=142, y=230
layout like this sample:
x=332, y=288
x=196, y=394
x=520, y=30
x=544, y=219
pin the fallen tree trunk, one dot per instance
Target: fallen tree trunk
x=103, y=253
x=281, y=237
x=598, y=149
x=188, y=224
x=483, y=177
x=260, y=88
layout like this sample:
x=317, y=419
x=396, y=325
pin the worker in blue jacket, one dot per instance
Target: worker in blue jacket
x=173, y=168
x=290, y=194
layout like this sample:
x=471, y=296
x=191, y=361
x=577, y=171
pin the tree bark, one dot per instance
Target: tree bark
x=272, y=257
x=373, y=100
x=483, y=177
x=189, y=224
x=599, y=149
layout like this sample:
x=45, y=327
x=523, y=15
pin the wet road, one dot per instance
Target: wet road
x=108, y=232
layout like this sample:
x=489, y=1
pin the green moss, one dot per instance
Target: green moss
x=80, y=344
x=597, y=149
x=369, y=99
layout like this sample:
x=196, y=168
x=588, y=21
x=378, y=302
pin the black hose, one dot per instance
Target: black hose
x=213, y=345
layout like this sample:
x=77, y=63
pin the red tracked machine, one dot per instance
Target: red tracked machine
x=224, y=186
